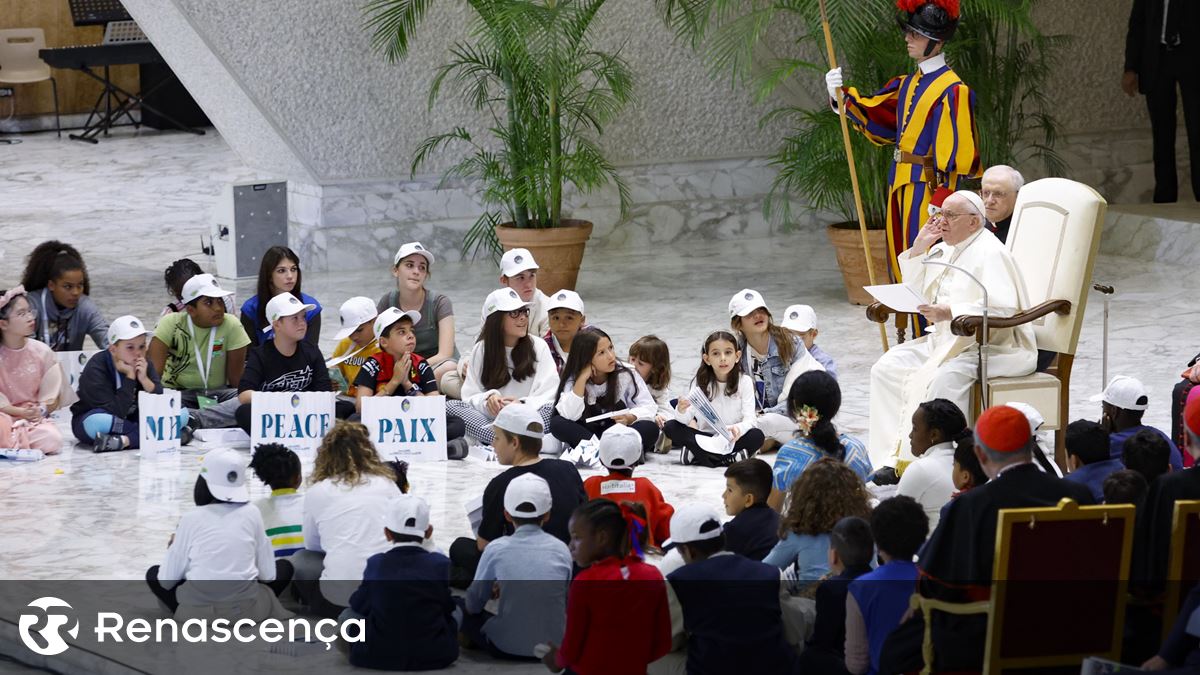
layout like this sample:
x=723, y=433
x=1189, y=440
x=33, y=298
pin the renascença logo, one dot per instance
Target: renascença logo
x=50, y=633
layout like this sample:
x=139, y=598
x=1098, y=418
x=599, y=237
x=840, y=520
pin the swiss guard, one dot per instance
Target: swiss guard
x=928, y=115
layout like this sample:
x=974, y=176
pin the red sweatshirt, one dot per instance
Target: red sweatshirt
x=618, y=620
x=620, y=487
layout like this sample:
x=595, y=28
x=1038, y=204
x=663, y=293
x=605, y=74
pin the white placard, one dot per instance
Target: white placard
x=411, y=428
x=158, y=422
x=298, y=420
x=901, y=298
x=73, y=363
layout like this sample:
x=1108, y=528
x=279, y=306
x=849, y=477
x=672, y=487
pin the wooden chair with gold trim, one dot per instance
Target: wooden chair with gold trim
x=1183, y=566
x=1059, y=588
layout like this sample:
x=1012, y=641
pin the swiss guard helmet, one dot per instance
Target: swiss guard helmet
x=934, y=19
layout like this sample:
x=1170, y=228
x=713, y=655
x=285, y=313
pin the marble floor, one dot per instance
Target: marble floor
x=139, y=200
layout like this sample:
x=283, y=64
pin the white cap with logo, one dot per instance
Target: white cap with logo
x=566, y=299
x=407, y=514
x=800, y=318
x=412, y=248
x=282, y=306
x=1127, y=393
x=224, y=471
x=517, y=260
x=694, y=521
x=202, y=285
x=527, y=496
x=355, y=312
x=516, y=418
x=390, y=316
x=1031, y=414
x=502, y=300
x=126, y=327
x=620, y=447
x=745, y=301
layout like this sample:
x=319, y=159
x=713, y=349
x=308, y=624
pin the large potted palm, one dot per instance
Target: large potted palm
x=547, y=94
x=997, y=51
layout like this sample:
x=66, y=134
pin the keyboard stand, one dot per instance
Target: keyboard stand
x=126, y=102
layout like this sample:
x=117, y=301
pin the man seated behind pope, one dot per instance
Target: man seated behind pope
x=941, y=364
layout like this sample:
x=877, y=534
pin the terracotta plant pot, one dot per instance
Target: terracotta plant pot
x=847, y=241
x=557, y=250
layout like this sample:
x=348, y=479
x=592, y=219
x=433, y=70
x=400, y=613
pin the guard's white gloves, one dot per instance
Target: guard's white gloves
x=833, y=82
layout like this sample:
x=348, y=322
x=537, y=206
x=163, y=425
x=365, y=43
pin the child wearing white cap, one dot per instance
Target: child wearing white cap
x=278, y=273
x=175, y=276
x=435, y=328
x=32, y=382
x=730, y=604
x=356, y=342
x=201, y=351
x=286, y=362
x=221, y=540
x=405, y=597
x=801, y=320
x=531, y=569
x=620, y=451
x=106, y=414
x=1122, y=404
x=507, y=365
x=565, y=314
x=518, y=271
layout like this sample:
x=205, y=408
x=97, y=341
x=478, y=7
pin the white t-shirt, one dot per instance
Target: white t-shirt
x=346, y=522
x=737, y=410
x=219, y=542
x=536, y=391
x=930, y=480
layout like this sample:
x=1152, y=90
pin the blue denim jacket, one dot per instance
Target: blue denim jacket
x=768, y=383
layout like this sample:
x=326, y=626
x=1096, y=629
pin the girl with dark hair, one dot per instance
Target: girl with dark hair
x=930, y=479
x=594, y=382
x=505, y=366
x=813, y=401
x=58, y=287
x=618, y=617
x=731, y=393
x=32, y=383
x=278, y=273
x=175, y=276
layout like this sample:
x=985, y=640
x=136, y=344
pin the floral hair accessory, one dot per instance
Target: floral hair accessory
x=807, y=418
x=11, y=294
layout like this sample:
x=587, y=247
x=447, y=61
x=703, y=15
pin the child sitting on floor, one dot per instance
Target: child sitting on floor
x=356, y=343
x=32, y=383
x=754, y=530
x=566, y=318
x=620, y=451
x=106, y=414
x=405, y=598
x=801, y=320
x=529, y=570
x=283, y=511
x=851, y=550
x=651, y=358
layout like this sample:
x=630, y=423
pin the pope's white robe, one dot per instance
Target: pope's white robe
x=941, y=364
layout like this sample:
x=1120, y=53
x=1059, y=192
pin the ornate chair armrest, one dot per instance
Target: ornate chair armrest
x=879, y=312
x=969, y=325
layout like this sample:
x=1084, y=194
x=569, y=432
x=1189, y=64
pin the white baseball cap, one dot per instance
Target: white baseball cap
x=202, y=285
x=745, y=301
x=126, y=327
x=527, y=496
x=1035, y=418
x=224, y=471
x=411, y=248
x=517, y=260
x=1125, y=392
x=407, y=514
x=502, y=300
x=566, y=299
x=355, y=312
x=515, y=418
x=284, y=305
x=620, y=447
x=800, y=318
x=390, y=316
x=694, y=521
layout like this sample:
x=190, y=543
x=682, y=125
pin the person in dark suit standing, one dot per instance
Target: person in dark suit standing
x=1162, y=49
x=957, y=561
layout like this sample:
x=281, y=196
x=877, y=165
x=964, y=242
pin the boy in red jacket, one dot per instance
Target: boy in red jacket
x=620, y=449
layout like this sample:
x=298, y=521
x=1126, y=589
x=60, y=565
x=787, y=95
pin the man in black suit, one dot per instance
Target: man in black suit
x=957, y=561
x=1162, y=49
x=1152, y=545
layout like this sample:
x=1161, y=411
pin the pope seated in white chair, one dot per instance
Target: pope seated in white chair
x=941, y=364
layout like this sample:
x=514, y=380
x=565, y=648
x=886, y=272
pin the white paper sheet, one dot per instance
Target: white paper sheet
x=900, y=297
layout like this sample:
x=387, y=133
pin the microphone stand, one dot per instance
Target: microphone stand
x=983, y=347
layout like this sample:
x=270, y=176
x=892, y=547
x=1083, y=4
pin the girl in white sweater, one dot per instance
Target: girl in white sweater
x=731, y=393
x=506, y=366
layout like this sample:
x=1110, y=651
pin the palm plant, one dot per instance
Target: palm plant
x=997, y=51
x=547, y=94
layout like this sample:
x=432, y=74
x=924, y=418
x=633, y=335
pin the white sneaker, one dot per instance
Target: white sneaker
x=685, y=456
x=22, y=454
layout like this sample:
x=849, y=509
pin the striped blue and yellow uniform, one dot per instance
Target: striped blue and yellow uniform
x=925, y=114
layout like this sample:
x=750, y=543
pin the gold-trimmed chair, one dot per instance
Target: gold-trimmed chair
x=1054, y=240
x=1055, y=568
x=1183, y=566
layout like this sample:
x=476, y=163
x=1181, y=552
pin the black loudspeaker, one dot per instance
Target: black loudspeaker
x=170, y=99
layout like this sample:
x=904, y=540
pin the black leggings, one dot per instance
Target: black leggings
x=572, y=432
x=682, y=434
x=283, y=576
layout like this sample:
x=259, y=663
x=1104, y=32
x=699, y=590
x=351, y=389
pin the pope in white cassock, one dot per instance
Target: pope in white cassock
x=941, y=364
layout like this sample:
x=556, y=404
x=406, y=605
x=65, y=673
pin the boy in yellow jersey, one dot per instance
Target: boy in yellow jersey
x=356, y=345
